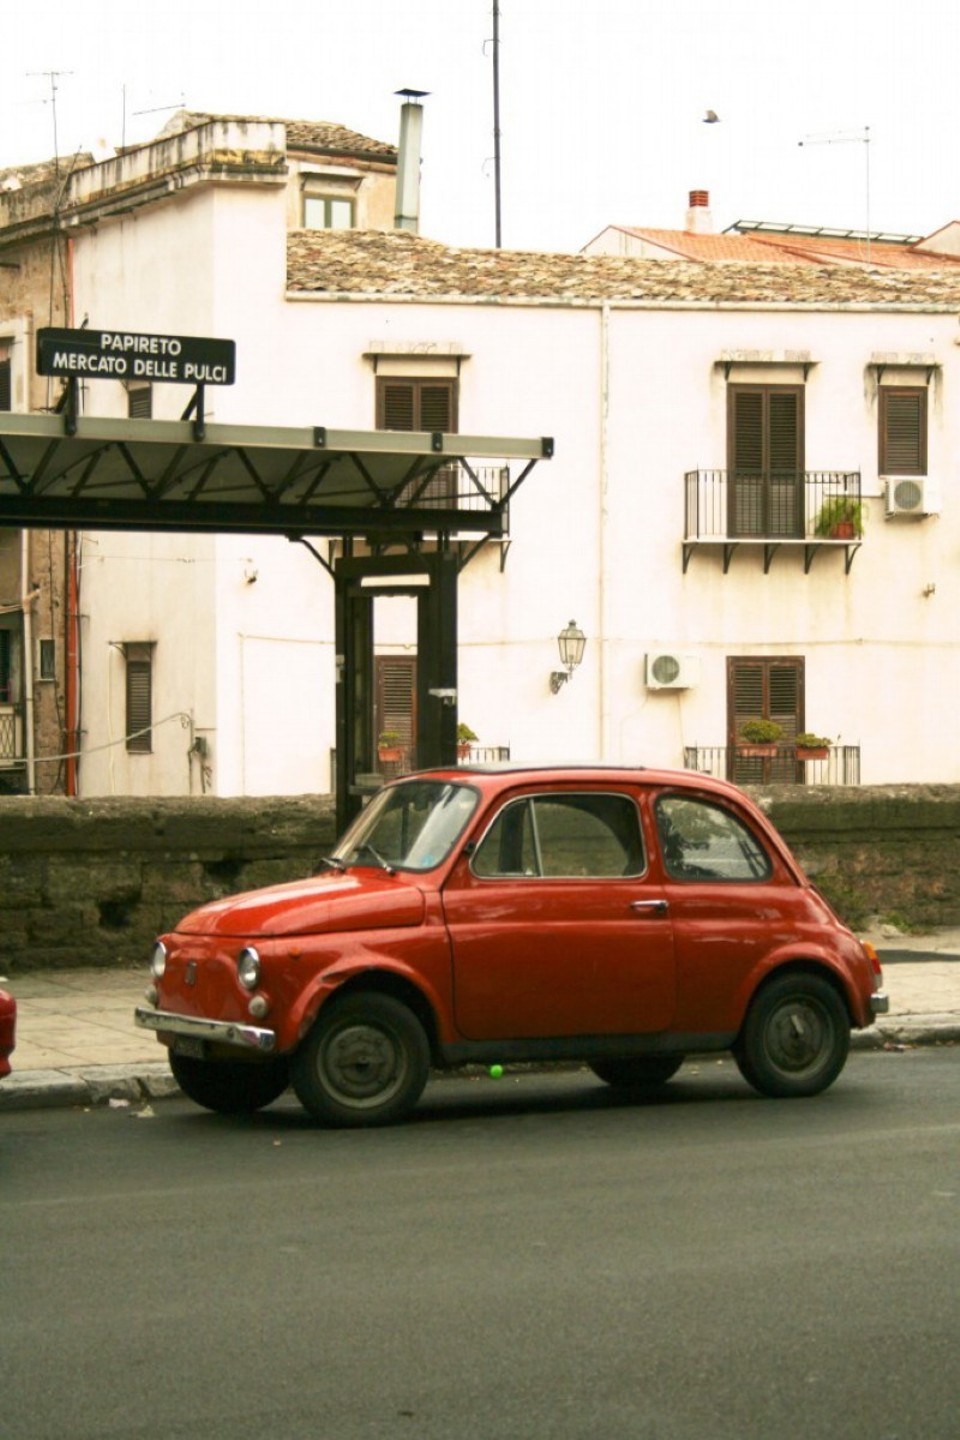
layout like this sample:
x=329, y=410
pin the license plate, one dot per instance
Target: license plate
x=186, y=1045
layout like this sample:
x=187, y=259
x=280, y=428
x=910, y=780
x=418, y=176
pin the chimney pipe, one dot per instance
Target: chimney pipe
x=407, y=209
x=699, y=219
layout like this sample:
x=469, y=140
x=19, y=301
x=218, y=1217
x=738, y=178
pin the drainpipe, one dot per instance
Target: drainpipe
x=72, y=608
x=602, y=529
x=27, y=597
x=407, y=209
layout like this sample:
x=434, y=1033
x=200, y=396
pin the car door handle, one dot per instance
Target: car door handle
x=650, y=907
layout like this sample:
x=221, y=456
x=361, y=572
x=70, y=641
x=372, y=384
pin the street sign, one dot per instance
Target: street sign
x=122, y=355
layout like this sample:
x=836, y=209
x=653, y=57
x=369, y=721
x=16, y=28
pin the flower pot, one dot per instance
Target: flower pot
x=390, y=752
x=756, y=751
x=812, y=752
x=463, y=749
x=843, y=530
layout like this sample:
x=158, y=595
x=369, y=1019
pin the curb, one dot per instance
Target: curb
x=99, y=1085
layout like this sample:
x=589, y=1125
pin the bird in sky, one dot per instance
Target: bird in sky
x=711, y=117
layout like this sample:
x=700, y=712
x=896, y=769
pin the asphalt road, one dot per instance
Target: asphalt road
x=529, y=1257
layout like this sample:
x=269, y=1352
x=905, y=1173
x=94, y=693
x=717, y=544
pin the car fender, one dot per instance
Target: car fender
x=812, y=958
x=377, y=969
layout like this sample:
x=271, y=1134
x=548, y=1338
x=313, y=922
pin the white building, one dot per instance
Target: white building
x=709, y=419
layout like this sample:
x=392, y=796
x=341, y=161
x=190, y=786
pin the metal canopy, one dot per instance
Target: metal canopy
x=59, y=471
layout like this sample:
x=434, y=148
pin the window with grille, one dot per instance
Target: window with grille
x=48, y=659
x=765, y=460
x=421, y=404
x=139, y=661
x=903, y=431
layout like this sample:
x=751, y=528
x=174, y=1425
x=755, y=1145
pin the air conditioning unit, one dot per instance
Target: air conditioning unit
x=668, y=670
x=912, y=495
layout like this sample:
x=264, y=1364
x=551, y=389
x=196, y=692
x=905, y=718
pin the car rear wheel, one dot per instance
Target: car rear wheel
x=231, y=1087
x=795, y=1039
x=365, y=1062
x=639, y=1072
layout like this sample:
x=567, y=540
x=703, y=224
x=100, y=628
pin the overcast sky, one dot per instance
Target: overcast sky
x=601, y=102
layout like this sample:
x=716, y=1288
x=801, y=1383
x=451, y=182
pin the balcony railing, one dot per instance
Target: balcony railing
x=840, y=766
x=806, y=507
x=11, y=736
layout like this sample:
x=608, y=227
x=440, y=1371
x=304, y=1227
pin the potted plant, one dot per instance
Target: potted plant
x=759, y=737
x=465, y=738
x=390, y=745
x=812, y=747
x=840, y=518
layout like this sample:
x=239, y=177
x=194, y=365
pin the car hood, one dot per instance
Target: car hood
x=360, y=900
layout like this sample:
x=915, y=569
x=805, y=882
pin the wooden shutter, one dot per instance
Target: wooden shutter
x=771, y=688
x=765, y=460
x=416, y=404
x=903, y=431
x=395, y=699
x=140, y=402
x=139, y=699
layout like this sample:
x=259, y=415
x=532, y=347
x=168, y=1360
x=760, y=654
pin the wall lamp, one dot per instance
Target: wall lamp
x=571, y=642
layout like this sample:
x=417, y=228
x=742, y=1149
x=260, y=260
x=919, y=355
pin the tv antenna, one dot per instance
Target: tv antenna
x=495, y=43
x=848, y=137
x=53, y=76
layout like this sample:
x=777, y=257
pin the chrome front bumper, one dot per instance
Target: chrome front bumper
x=879, y=1002
x=221, y=1032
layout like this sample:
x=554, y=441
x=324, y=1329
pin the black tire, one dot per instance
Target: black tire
x=795, y=1039
x=231, y=1087
x=640, y=1072
x=365, y=1062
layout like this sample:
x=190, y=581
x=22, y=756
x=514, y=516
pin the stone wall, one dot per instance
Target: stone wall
x=92, y=882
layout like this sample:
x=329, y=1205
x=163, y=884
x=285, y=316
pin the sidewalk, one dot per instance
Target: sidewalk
x=77, y=1043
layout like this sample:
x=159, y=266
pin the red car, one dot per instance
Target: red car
x=8, y=1031
x=623, y=918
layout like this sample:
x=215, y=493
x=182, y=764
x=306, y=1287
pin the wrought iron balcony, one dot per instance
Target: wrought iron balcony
x=808, y=509
x=783, y=764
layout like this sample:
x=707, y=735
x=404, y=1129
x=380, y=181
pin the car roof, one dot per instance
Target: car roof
x=584, y=771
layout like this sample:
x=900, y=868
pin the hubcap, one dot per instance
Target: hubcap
x=361, y=1064
x=798, y=1036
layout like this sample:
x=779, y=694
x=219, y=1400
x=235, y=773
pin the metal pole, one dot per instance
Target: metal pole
x=496, y=114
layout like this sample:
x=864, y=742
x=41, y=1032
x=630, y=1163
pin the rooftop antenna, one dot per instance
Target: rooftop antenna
x=53, y=76
x=849, y=137
x=495, y=42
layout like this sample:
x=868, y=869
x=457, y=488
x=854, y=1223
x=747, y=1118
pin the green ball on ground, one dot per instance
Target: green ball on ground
x=496, y=1071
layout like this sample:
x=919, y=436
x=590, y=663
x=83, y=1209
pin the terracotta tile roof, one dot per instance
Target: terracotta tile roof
x=686, y=244
x=816, y=248
x=320, y=135
x=396, y=263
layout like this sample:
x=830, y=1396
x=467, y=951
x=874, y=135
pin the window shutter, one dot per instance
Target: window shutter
x=139, y=706
x=903, y=432
x=784, y=432
x=435, y=407
x=747, y=457
x=6, y=386
x=396, y=410
x=140, y=402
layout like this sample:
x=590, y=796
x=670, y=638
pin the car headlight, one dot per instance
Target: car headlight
x=158, y=960
x=248, y=968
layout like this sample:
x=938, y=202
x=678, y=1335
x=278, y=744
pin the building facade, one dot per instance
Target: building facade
x=752, y=512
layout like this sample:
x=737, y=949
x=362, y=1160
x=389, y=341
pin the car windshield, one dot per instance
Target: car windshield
x=410, y=826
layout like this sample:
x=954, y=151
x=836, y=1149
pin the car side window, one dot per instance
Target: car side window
x=700, y=841
x=566, y=835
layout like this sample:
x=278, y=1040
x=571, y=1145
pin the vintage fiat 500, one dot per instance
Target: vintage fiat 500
x=622, y=918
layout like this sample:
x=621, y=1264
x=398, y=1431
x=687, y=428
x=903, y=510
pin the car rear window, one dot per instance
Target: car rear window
x=702, y=841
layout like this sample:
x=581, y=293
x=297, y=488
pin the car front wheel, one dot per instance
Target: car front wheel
x=365, y=1062
x=231, y=1087
x=637, y=1073
x=795, y=1039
